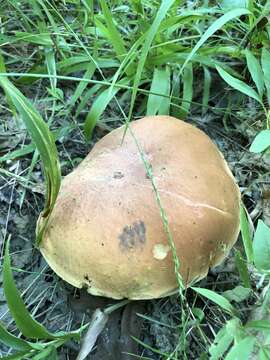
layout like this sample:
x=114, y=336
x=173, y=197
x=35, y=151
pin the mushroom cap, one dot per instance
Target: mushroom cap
x=106, y=232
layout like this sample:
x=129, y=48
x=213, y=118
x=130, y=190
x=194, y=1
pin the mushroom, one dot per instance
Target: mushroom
x=106, y=232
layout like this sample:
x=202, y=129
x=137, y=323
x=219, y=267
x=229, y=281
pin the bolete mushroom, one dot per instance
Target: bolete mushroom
x=106, y=233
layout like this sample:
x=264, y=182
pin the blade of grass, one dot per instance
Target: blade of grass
x=206, y=89
x=265, y=60
x=162, y=11
x=256, y=72
x=82, y=85
x=160, y=84
x=187, y=91
x=29, y=327
x=238, y=85
x=217, y=25
x=51, y=67
x=246, y=236
x=45, y=144
x=17, y=356
x=241, y=265
x=99, y=106
x=114, y=36
x=13, y=341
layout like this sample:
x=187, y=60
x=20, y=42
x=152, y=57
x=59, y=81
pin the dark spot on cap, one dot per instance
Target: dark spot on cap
x=118, y=175
x=86, y=278
x=102, y=244
x=132, y=236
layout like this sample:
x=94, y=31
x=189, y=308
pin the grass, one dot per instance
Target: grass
x=85, y=67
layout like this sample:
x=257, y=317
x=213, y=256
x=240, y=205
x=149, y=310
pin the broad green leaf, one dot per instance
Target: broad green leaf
x=261, y=246
x=29, y=327
x=151, y=33
x=243, y=269
x=13, y=341
x=238, y=294
x=45, y=144
x=187, y=91
x=241, y=350
x=261, y=142
x=223, y=339
x=246, y=236
x=264, y=353
x=222, y=342
x=265, y=60
x=160, y=84
x=238, y=84
x=260, y=325
x=217, y=25
x=255, y=70
x=206, y=89
x=216, y=298
x=99, y=106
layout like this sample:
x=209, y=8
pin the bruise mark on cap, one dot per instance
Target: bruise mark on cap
x=132, y=236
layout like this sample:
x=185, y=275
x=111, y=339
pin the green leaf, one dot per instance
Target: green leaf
x=160, y=84
x=39, y=39
x=17, y=356
x=114, y=36
x=265, y=60
x=217, y=25
x=230, y=4
x=47, y=353
x=45, y=144
x=255, y=70
x=242, y=268
x=187, y=91
x=99, y=106
x=245, y=232
x=51, y=66
x=264, y=353
x=260, y=325
x=82, y=85
x=223, y=339
x=261, y=246
x=238, y=84
x=151, y=33
x=29, y=327
x=242, y=350
x=216, y=298
x=238, y=294
x=13, y=341
x=206, y=89
x=261, y=142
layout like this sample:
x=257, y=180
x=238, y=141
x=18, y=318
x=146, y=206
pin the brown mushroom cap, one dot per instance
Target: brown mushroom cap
x=106, y=232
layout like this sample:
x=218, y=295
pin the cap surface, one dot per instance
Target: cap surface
x=106, y=231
